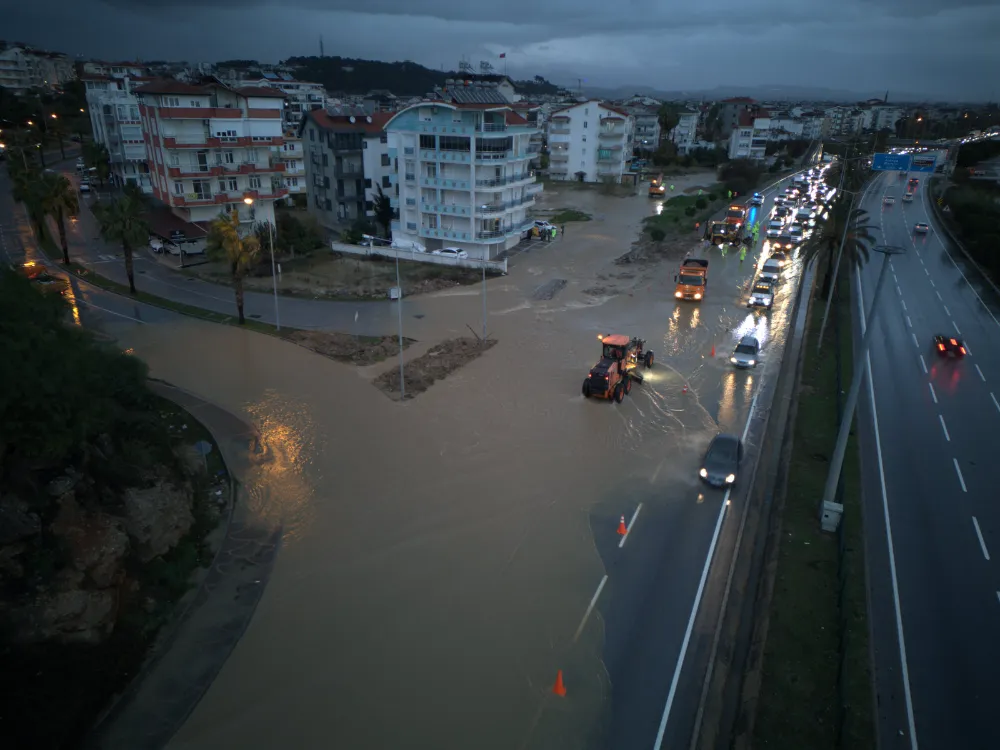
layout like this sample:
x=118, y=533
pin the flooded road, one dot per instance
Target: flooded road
x=439, y=556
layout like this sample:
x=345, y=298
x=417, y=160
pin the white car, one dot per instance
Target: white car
x=796, y=234
x=84, y=186
x=889, y=200
x=775, y=228
x=804, y=214
x=451, y=252
x=544, y=226
x=770, y=271
x=762, y=294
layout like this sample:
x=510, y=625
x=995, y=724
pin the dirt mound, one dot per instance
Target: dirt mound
x=646, y=250
x=422, y=372
x=358, y=350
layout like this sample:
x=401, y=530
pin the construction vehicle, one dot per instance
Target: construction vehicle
x=656, y=187
x=692, y=279
x=612, y=376
x=736, y=214
x=720, y=232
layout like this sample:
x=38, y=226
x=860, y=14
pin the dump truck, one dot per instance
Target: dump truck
x=692, y=279
x=656, y=187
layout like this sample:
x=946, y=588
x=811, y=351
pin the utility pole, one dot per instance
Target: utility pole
x=860, y=365
x=399, y=310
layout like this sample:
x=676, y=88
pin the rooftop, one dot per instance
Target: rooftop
x=370, y=124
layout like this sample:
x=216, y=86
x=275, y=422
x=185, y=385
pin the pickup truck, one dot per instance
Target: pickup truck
x=691, y=279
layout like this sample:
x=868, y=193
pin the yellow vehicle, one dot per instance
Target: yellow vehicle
x=656, y=187
x=692, y=279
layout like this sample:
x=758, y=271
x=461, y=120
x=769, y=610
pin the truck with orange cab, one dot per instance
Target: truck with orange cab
x=692, y=279
x=612, y=376
x=736, y=214
x=656, y=187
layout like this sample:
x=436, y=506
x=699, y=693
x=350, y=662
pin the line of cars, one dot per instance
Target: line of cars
x=912, y=184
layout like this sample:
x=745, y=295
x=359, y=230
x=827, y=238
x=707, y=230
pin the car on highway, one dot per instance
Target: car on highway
x=779, y=201
x=797, y=234
x=921, y=228
x=761, y=294
x=771, y=271
x=949, y=346
x=782, y=242
x=721, y=464
x=913, y=182
x=451, y=252
x=908, y=196
x=774, y=228
x=804, y=214
x=747, y=353
x=889, y=200
x=757, y=199
x=84, y=185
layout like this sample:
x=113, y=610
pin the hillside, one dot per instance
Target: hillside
x=349, y=76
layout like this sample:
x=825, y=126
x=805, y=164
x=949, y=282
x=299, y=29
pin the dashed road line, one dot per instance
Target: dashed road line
x=945, y=428
x=938, y=295
x=947, y=311
x=915, y=342
x=923, y=363
x=933, y=394
x=958, y=471
x=995, y=402
x=982, y=542
x=959, y=330
x=909, y=322
x=631, y=523
x=982, y=377
x=932, y=282
x=590, y=608
x=903, y=303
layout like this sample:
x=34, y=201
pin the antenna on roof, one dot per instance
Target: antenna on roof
x=321, y=53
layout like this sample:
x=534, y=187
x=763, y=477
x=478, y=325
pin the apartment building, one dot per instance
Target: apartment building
x=22, y=69
x=97, y=69
x=684, y=136
x=590, y=142
x=731, y=113
x=879, y=116
x=647, y=128
x=463, y=172
x=113, y=108
x=209, y=146
x=750, y=136
x=347, y=162
x=786, y=129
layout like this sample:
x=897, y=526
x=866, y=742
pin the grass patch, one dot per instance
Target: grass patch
x=684, y=211
x=815, y=628
x=564, y=215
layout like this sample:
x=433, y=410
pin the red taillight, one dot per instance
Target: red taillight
x=962, y=349
x=941, y=347
x=954, y=343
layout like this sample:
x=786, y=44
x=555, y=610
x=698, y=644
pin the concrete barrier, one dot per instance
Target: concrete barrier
x=497, y=266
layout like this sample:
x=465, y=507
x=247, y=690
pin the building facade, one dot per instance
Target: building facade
x=116, y=124
x=346, y=163
x=463, y=173
x=731, y=112
x=209, y=147
x=590, y=142
x=647, y=129
x=749, y=139
x=684, y=136
x=24, y=69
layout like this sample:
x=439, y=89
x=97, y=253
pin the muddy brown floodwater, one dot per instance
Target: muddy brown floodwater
x=438, y=554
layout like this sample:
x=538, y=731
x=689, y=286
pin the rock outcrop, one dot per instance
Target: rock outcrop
x=157, y=517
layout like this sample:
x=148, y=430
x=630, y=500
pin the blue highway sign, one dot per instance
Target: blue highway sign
x=923, y=163
x=891, y=163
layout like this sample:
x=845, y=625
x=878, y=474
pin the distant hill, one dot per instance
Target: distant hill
x=350, y=76
x=763, y=92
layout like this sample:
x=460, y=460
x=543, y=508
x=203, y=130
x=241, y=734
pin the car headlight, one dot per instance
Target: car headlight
x=733, y=360
x=678, y=295
x=703, y=473
x=751, y=362
x=697, y=296
x=730, y=479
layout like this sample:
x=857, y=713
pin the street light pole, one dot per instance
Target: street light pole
x=274, y=274
x=837, y=461
x=399, y=310
x=484, y=296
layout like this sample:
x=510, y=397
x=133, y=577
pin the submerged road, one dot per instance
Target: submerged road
x=483, y=555
x=929, y=435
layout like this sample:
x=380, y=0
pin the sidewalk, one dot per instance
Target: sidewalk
x=211, y=619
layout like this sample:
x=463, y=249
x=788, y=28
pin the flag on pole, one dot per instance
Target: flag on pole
x=503, y=55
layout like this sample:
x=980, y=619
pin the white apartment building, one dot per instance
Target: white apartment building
x=590, y=142
x=114, y=119
x=684, y=136
x=647, y=128
x=463, y=173
x=749, y=138
x=815, y=125
x=785, y=129
x=23, y=69
x=210, y=146
x=880, y=117
x=98, y=69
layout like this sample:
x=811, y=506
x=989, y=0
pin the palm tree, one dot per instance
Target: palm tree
x=59, y=200
x=384, y=212
x=27, y=180
x=124, y=220
x=240, y=252
x=668, y=118
x=96, y=157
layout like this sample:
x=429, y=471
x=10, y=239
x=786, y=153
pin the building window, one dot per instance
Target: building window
x=254, y=182
x=329, y=205
x=385, y=160
x=170, y=101
x=383, y=138
x=427, y=142
x=228, y=157
x=368, y=183
x=326, y=160
x=292, y=181
x=195, y=103
x=583, y=136
x=454, y=143
x=369, y=206
x=312, y=134
x=233, y=185
x=385, y=181
x=178, y=188
x=222, y=186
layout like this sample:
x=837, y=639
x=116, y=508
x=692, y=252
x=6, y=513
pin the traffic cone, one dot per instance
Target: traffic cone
x=685, y=388
x=622, y=529
x=713, y=350
x=559, y=688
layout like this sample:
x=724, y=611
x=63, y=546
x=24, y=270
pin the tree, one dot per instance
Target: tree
x=384, y=212
x=240, y=252
x=740, y=175
x=857, y=244
x=124, y=221
x=59, y=200
x=96, y=157
x=668, y=118
x=26, y=188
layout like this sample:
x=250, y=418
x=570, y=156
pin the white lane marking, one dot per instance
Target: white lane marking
x=903, y=303
x=921, y=260
x=947, y=311
x=932, y=282
x=983, y=377
x=944, y=427
x=968, y=349
x=697, y=597
x=958, y=471
x=110, y=312
x=915, y=342
x=938, y=295
x=657, y=472
x=982, y=542
x=956, y=327
x=909, y=322
x=998, y=596
x=995, y=402
x=933, y=394
x=927, y=272
x=590, y=608
x=904, y=666
x=923, y=363
x=631, y=523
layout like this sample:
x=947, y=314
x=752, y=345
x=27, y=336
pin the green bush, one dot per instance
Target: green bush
x=657, y=234
x=701, y=204
x=690, y=211
x=712, y=197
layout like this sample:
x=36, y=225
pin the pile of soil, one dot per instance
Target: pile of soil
x=444, y=359
x=645, y=250
x=361, y=351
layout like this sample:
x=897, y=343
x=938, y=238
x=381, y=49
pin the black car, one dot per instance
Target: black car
x=782, y=242
x=949, y=346
x=722, y=460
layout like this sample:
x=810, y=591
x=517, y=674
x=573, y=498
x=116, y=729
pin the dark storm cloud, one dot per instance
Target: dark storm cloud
x=860, y=45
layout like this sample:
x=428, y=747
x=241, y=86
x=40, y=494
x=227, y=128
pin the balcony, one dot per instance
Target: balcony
x=500, y=182
x=448, y=156
x=504, y=232
x=261, y=195
x=350, y=172
x=608, y=158
x=493, y=127
x=200, y=113
x=534, y=189
x=194, y=170
x=615, y=133
x=443, y=234
x=492, y=209
x=442, y=182
x=198, y=199
x=451, y=209
x=407, y=151
x=559, y=156
x=559, y=130
x=489, y=157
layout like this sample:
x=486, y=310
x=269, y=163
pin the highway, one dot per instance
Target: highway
x=928, y=430
x=631, y=632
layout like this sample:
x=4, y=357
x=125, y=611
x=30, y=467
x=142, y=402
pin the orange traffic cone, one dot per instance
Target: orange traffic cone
x=713, y=350
x=622, y=529
x=559, y=688
x=685, y=390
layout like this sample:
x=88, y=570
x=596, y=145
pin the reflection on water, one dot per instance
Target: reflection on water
x=695, y=317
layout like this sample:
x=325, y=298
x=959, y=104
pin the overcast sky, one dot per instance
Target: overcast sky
x=940, y=49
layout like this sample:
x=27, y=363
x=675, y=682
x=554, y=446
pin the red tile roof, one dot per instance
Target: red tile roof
x=745, y=120
x=343, y=123
x=609, y=107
